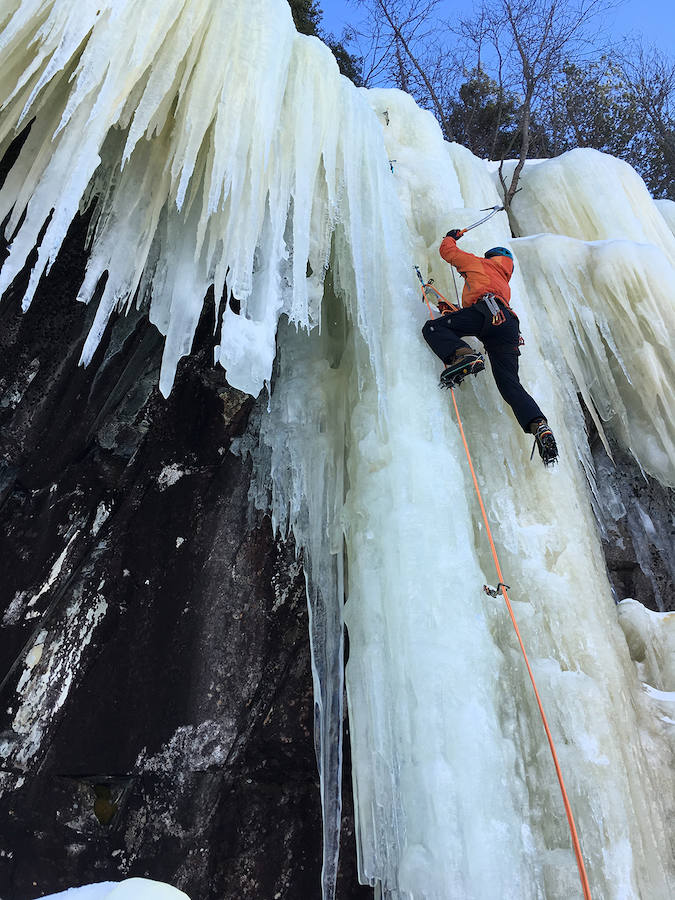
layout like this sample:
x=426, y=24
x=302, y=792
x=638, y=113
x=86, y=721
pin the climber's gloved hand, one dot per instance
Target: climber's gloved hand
x=455, y=234
x=444, y=308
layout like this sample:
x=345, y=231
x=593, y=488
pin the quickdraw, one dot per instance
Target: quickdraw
x=431, y=295
x=495, y=592
x=497, y=313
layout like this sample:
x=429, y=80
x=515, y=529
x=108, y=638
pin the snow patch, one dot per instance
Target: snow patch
x=130, y=889
x=194, y=748
x=169, y=476
x=102, y=513
x=15, y=608
x=55, y=571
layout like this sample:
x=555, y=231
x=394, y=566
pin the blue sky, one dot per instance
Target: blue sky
x=654, y=19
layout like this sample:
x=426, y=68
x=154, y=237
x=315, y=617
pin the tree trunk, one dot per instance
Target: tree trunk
x=445, y=124
x=524, y=148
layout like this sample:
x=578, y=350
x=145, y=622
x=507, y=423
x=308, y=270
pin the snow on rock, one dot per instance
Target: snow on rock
x=102, y=513
x=169, y=476
x=198, y=748
x=130, y=889
x=49, y=671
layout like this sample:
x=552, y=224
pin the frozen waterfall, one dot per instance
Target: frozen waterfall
x=309, y=201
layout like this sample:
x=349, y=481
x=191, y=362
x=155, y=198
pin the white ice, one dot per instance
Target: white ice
x=600, y=266
x=166, y=116
x=226, y=150
x=667, y=210
x=651, y=638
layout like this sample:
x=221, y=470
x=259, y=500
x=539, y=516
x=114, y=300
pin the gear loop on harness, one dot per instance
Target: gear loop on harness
x=495, y=310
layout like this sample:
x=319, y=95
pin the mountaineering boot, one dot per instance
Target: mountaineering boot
x=544, y=442
x=466, y=362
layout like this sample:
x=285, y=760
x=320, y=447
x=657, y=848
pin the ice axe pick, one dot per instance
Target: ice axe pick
x=490, y=214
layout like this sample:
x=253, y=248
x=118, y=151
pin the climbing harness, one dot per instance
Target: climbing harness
x=495, y=310
x=503, y=588
x=497, y=313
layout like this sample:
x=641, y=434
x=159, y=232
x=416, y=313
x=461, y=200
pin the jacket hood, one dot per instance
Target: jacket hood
x=504, y=264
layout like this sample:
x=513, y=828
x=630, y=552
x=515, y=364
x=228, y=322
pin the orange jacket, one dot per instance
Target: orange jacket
x=481, y=276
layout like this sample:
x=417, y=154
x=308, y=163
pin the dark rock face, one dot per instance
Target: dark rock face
x=637, y=520
x=156, y=689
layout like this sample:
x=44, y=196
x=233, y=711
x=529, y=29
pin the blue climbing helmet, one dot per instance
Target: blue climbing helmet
x=498, y=251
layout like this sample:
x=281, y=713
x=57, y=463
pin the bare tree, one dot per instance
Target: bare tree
x=527, y=43
x=397, y=40
x=650, y=75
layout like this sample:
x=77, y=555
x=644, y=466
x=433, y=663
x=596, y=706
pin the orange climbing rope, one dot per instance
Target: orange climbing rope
x=568, y=809
x=502, y=588
x=428, y=287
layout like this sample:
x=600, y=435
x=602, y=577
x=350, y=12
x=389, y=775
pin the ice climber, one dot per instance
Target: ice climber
x=486, y=314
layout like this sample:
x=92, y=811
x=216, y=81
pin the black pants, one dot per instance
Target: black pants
x=444, y=336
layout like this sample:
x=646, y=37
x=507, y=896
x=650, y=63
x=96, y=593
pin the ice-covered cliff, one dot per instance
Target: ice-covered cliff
x=222, y=150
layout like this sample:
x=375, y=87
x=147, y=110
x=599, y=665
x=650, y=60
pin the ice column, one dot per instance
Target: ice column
x=454, y=786
x=601, y=281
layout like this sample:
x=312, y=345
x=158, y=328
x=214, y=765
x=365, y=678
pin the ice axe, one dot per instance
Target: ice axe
x=492, y=211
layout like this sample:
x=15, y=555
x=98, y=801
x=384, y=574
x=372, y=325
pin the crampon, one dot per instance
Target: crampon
x=545, y=444
x=455, y=373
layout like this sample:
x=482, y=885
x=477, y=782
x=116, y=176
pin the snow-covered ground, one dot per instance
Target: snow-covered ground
x=130, y=889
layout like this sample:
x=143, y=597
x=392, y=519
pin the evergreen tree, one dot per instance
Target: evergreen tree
x=589, y=106
x=598, y=105
x=484, y=117
x=650, y=78
x=307, y=15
